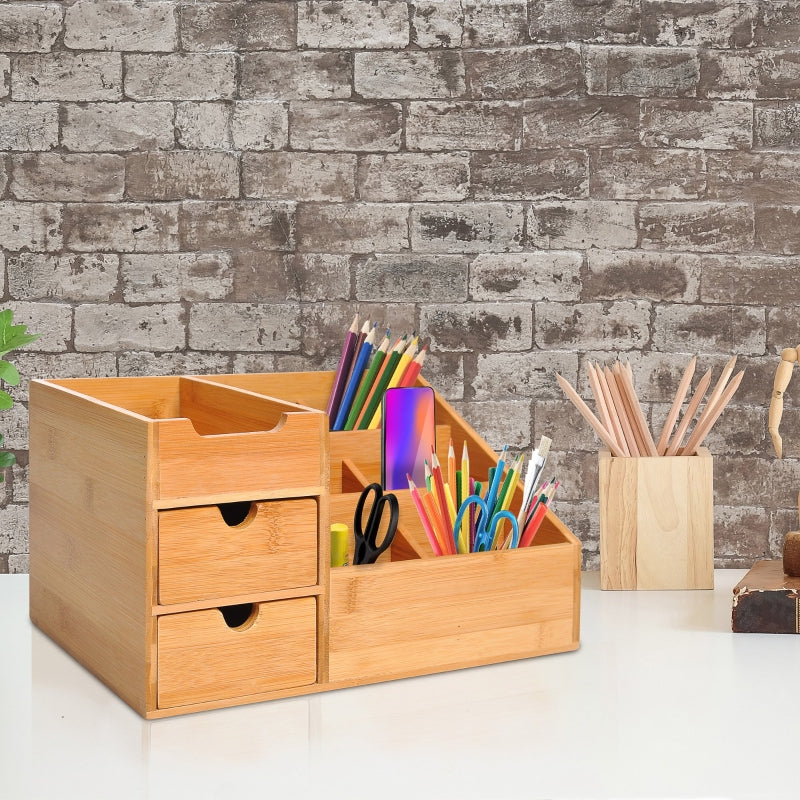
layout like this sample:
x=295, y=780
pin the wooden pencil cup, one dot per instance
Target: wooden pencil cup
x=656, y=522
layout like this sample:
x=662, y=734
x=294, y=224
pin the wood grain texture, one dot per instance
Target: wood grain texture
x=618, y=503
x=656, y=522
x=91, y=583
x=201, y=557
x=420, y=616
x=141, y=507
x=200, y=658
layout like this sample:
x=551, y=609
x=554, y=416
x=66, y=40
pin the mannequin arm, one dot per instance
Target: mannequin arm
x=782, y=377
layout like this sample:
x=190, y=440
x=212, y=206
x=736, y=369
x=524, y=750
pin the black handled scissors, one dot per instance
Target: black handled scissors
x=367, y=548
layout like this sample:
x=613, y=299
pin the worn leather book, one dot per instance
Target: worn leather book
x=766, y=600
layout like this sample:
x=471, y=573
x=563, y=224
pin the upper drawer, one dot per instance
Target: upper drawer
x=201, y=556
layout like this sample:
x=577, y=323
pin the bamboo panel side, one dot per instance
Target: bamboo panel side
x=656, y=522
x=91, y=578
x=200, y=658
x=214, y=408
x=427, y=615
x=152, y=397
x=618, y=478
x=700, y=491
x=310, y=389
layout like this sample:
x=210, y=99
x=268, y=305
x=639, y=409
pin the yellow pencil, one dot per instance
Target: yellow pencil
x=451, y=507
x=464, y=532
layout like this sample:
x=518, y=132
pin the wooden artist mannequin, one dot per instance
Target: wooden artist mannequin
x=789, y=356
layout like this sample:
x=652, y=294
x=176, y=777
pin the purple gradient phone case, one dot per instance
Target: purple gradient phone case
x=408, y=435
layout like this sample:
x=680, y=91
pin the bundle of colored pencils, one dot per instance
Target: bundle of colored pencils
x=622, y=426
x=366, y=372
x=462, y=515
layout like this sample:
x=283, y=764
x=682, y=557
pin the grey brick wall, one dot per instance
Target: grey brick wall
x=218, y=186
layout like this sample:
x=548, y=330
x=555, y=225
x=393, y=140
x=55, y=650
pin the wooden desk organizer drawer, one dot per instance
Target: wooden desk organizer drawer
x=201, y=658
x=263, y=546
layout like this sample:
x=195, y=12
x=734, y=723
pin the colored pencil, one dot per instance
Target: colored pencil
x=367, y=383
x=438, y=485
x=412, y=373
x=340, y=378
x=464, y=488
x=434, y=515
x=397, y=370
x=359, y=365
x=451, y=465
x=362, y=334
x=381, y=382
x=426, y=523
x=427, y=475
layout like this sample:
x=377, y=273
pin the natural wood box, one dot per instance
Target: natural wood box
x=656, y=522
x=180, y=548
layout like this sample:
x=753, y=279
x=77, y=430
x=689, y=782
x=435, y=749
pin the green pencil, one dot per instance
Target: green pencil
x=386, y=375
x=366, y=383
x=506, y=483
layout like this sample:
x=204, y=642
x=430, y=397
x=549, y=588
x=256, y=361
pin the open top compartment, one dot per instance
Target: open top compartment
x=214, y=439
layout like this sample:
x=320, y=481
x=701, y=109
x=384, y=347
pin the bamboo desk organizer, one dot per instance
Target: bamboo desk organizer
x=180, y=542
x=656, y=522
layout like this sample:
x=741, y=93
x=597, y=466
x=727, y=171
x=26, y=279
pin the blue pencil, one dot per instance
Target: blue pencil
x=355, y=378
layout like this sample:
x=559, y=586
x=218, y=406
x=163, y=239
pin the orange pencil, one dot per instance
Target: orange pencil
x=439, y=527
x=399, y=344
x=426, y=523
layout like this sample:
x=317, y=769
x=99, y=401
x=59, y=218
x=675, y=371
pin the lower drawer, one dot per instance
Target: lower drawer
x=243, y=548
x=202, y=658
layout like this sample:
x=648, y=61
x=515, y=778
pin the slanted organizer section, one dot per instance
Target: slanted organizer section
x=180, y=548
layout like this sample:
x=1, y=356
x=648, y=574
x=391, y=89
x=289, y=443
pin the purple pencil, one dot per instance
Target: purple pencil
x=342, y=370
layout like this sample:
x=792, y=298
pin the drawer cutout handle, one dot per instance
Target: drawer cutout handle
x=240, y=616
x=237, y=513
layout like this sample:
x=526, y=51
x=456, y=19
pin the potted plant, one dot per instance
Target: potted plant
x=12, y=337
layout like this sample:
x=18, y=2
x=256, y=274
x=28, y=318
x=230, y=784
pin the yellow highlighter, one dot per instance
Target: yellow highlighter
x=340, y=536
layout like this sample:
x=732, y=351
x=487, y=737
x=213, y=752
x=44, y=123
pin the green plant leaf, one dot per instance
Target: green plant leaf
x=7, y=459
x=8, y=373
x=6, y=400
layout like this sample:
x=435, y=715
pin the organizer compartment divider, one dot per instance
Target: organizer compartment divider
x=128, y=477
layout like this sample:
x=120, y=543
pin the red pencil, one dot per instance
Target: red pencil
x=413, y=369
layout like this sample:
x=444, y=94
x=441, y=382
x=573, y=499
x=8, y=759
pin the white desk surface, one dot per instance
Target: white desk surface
x=661, y=701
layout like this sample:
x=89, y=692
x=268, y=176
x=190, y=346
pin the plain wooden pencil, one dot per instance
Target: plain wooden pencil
x=622, y=413
x=600, y=401
x=688, y=416
x=626, y=375
x=675, y=409
x=701, y=431
x=586, y=412
x=612, y=411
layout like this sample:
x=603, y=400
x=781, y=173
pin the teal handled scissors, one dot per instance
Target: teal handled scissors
x=486, y=524
x=367, y=548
